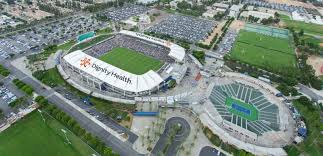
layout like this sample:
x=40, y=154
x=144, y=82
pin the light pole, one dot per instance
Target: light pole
x=68, y=141
x=40, y=112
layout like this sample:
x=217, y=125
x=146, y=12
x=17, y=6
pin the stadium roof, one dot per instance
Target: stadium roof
x=113, y=75
x=177, y=52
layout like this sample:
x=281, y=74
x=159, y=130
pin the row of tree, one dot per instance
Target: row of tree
x=75, y=127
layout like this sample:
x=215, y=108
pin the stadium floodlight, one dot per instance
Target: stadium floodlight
x=40, y=112
x=67, y=140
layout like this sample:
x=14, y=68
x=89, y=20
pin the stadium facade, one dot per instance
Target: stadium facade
x=86, y=69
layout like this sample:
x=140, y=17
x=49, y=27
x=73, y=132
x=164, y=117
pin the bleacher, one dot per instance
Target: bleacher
x=268, y=119
x=145, y=47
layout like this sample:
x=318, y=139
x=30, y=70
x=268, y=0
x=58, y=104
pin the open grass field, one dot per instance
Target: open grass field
x=241, y=109
x=263, y=51
x=32, y=137
x=310, y=28
x=131, y=61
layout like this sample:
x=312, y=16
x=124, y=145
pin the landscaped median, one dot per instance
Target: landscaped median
x=3, y=71
x=23, y=86
x=223, y=145
x=74, y=127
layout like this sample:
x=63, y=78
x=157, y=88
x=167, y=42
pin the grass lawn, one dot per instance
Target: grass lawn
x=52, y=78
x=32, y=137
x=267, y=52
x=242, y=109
x=307, y=27
x=131, y=61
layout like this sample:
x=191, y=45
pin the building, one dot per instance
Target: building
x=221, y=5
x=307, y=18
x=234, y=10
x=258, y=14
x=89, y=71
x=209, y=13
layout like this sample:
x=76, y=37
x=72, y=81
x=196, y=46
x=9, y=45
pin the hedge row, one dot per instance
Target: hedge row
x=23, y=86
x=223, y=145
x=3, y=71
x=75, y=127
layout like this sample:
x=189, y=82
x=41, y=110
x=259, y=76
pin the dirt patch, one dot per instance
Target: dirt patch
x=237, y=25
x=216, y=30
x=317, y=63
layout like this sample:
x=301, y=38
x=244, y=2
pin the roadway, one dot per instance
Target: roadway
x=306, y=90
x=179, y=138
x=123, y=148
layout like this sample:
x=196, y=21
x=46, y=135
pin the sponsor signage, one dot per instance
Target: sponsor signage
x=87, y=62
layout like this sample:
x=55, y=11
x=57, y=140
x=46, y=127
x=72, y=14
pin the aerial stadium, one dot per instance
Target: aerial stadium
x=126, y=65
x=247, y=108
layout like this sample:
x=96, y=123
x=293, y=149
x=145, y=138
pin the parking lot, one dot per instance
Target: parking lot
x=184, y=27
x=125, y=12
x=36, y=38
x=276, y=6
x=227, y=42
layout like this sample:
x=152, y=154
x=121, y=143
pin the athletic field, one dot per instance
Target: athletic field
x=131, y=61
x=263, y=51
x=241, y=109
x=32, y=137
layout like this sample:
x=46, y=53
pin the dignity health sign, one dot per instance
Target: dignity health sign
x=87, y=62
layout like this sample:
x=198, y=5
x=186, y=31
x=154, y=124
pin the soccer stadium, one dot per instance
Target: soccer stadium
x=248, y=109
x=126, y=65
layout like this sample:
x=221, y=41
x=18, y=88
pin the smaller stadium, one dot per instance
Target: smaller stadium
x=126, y=65
x=265, y=47
x=247, y=108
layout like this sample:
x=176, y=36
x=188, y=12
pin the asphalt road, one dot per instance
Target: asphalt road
x=304, y=89
x=178, y=139
x=210, y=151
x=123, y=148
x=132, y=137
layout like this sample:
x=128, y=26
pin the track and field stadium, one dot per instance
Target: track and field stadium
x=126, y=65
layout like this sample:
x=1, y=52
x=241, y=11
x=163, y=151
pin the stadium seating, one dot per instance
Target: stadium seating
x=150, y=49
x=268, y=119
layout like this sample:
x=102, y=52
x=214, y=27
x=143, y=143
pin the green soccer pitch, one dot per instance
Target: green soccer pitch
x=241, y=109
x=32, y=137
x=131, y=61
x=271, y=53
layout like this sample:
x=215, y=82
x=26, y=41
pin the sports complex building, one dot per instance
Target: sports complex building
x=247, y=108
x=127, y=65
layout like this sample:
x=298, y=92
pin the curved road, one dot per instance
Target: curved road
x=178, y=139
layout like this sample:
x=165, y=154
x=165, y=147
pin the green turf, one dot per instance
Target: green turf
x=131, y=61
x=253, y=111
x=32, y=137
x=263, y=51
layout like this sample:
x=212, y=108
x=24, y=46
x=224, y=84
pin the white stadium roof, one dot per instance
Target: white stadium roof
x=112, y=75
x=177, y=52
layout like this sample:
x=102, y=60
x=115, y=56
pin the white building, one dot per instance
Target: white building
x=99, y=75
x=258, y=14
x=234, y=10
x=308, y=18
x=209, y=13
